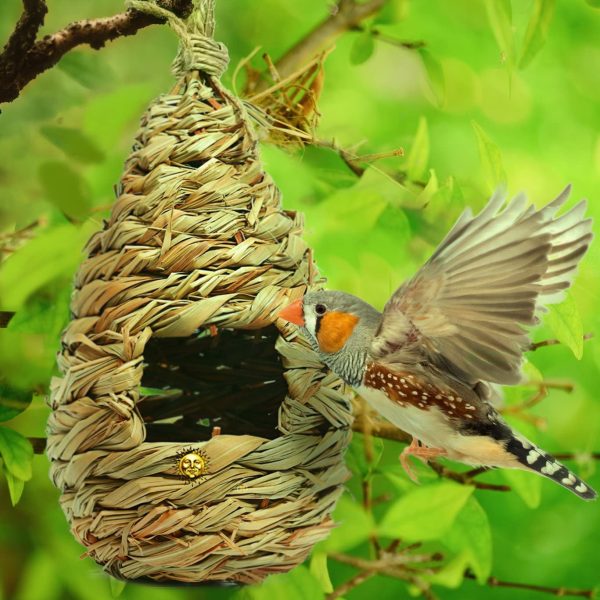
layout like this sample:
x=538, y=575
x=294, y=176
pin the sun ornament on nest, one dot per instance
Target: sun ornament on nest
x=193, y=438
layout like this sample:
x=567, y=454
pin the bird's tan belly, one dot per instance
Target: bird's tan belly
x=434, y=429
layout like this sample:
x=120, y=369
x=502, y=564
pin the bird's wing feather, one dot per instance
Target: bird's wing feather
x=468, y=307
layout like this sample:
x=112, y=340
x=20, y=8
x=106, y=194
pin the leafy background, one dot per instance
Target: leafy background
x=495, y=94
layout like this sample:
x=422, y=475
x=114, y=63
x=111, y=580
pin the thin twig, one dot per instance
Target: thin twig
x=39, y=444
x=465, y=479
x=353, y=582
x=553, y=342
x=407, y=45
x=576, y=455
x=555, y=591
x=367, y=491
x=5, y=317
x=345, y=15
x=386, y=563
x=35, y=57
x=355, y=162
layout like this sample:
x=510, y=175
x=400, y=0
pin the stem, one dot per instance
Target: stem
x=23, y=58
x=346, y=15
x=575, y=456
x=350, y=584
x=367, y=491
x=5, y=317
x=553, y=342
x=467, y=479
x=39, y=444
x=555, y=591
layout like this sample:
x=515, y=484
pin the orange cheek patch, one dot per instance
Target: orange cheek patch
x=334, y=331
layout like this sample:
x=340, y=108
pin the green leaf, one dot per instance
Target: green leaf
x=318, y=567
x=355, y=209
x=74, y=143
x=418, y=157
x=116, y=587
x=451, y=575
x=491, y=159
x=15, y=486
x=362, y=48
x=354, y=526
x=410, y=517
x=594, y=3
x=356, y=459
x=526, y=484
x=471, y=534
x=537, y=30
x=16, y=452
x=89, y=69
x=392, y=12
x=38, y=580
x=13, y=401
x=65, y=188
x=565, y=322
x=435, y=75
x=52, y=253
x=531, y=373
x=298, y=584
x=500, y=17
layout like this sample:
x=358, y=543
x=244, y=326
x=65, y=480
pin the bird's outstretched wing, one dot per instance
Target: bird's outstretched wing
x=466, y=309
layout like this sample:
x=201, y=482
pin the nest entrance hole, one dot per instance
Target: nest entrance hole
x=232, y=381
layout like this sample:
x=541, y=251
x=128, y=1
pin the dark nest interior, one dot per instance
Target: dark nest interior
x=232, y=380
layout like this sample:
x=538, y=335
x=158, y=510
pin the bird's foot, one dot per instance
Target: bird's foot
x=423, y=453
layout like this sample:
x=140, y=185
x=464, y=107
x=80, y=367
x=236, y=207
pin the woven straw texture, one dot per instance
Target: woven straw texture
x=196, y=245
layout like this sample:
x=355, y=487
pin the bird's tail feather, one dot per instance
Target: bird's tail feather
x=534, y=459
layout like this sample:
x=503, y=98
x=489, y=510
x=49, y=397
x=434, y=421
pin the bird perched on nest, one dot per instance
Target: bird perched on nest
x=428, y=361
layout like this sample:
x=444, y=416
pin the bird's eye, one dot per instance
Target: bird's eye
x=320, y=309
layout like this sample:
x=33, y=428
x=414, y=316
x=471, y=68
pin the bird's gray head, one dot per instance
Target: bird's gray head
x=340, y=328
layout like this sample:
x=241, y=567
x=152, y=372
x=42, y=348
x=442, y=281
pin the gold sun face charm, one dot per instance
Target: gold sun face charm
x=192, y=464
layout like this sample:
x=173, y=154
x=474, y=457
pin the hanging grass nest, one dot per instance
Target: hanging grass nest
x=193, y=438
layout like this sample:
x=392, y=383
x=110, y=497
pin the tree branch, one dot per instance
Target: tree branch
x=5, y=317
x=23, y=37
x=467, y=478
x=399, y=566
x=353, y=582
x=345, y=15
x=38, y=444
x=555, y=591
x=553, y=342
x=23, y=58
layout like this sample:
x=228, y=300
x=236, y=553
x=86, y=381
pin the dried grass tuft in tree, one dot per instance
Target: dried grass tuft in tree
x=191, y=440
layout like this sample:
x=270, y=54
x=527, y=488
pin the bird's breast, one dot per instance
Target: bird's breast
x=440, y=418
x=426, y=424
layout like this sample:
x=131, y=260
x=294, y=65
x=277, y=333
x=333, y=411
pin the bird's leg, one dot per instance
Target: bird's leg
x=414, y=445
x=421, y=452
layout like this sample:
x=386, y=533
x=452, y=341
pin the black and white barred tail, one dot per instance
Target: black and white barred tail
x=535, y=459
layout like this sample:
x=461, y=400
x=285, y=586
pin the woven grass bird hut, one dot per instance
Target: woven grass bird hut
x=193, y=438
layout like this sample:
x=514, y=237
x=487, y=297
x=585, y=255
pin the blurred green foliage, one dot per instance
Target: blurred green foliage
x=499, y=91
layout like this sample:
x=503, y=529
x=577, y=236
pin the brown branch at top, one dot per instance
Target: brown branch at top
x=23, y=37
x=345, y=16
x=24, y=58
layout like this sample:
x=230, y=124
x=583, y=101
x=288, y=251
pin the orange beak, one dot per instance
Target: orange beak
x=293, y=313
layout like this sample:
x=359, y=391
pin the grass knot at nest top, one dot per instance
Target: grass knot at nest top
x=172, y=340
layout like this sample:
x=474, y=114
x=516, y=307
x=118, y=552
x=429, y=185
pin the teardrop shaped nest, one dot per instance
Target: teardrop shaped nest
x=193, y=438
